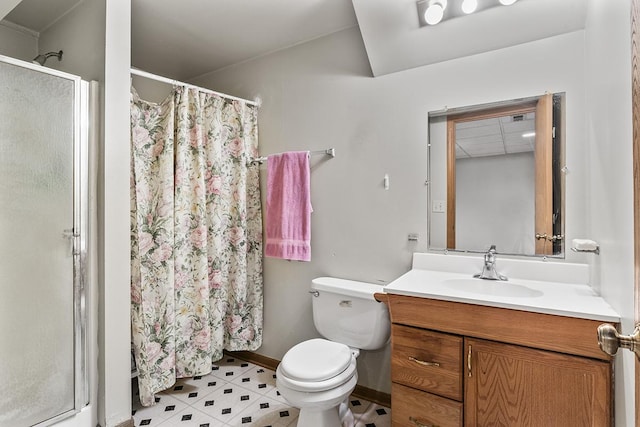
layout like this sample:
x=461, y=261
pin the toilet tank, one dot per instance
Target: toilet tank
x=345, y=311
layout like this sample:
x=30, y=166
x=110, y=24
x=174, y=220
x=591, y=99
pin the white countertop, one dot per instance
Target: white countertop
x=564, y=299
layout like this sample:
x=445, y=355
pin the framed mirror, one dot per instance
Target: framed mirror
x=496, y=177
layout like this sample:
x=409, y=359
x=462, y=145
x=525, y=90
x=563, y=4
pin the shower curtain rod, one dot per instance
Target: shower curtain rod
x=156, y=77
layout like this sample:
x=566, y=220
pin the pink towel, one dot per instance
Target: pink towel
x=288, y=220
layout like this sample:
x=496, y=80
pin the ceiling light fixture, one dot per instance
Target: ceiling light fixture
x=528, y=134
x=435, y=11
x=469, y=6
x=432, y=12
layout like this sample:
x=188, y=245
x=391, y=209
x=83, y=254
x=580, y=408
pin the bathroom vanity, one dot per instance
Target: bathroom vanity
x=470, y=352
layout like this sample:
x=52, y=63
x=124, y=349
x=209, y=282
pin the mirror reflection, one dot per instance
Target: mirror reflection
x=495, y=175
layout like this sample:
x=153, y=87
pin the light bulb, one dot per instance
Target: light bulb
x=469, y=6
x=434, y=14
x=435, y=11
x=507, y=2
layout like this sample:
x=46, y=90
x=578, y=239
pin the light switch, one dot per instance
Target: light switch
x=439, y=206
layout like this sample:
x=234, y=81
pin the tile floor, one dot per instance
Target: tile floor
x=236, y=393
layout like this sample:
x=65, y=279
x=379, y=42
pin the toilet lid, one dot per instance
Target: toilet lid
x=316, y=360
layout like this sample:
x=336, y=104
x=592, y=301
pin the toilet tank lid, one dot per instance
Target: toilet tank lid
x=347, y=287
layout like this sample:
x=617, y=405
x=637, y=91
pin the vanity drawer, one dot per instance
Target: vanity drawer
x=427, y=360
x=415, y=408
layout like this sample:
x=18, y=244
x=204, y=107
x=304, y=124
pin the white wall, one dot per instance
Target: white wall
x=151, y=90
x=17, y=42
x=80, y=34
x=320, y=94
x=610, y=195
x=116, y=276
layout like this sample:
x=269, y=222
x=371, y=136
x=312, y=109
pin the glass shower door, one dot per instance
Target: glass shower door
x=41, y=253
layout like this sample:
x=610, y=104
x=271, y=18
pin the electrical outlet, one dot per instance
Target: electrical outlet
x=439, y=206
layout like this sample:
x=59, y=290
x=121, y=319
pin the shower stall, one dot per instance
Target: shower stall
x=44, y=287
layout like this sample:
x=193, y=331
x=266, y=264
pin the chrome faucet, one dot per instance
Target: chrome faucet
x=489, y=269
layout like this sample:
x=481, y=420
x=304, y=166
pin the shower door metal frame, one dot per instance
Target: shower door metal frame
x=79, y=235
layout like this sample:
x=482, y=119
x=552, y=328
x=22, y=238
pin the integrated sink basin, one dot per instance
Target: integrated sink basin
x=539, y=286
x=492, y=288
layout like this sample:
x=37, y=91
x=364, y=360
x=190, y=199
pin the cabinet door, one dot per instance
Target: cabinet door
x=508, y=385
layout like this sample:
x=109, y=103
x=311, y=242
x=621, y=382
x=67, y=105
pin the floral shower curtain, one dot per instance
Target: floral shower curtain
x=196, y=233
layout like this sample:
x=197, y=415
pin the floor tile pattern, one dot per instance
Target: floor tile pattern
x=236, y=394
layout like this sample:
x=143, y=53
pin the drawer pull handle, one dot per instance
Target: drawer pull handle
x=469, y=361
x=419, y=424
x=423, y=363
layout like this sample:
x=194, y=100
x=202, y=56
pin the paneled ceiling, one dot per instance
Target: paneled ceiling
x=496, y=136
x=188, y=38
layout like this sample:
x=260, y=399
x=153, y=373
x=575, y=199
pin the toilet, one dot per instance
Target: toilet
x=318, y=375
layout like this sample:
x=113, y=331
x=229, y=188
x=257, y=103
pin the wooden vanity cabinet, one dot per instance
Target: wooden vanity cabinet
x=456, y=364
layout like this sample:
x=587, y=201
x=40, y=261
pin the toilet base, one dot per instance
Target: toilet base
x=327, y=408
x=338, y=416
x=314, y=417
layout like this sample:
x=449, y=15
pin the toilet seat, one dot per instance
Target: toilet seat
x=316, y=365
x=316, y=360
x=316, y=386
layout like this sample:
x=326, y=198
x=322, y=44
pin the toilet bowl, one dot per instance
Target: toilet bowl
x=315, y=385
x=317, y=376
